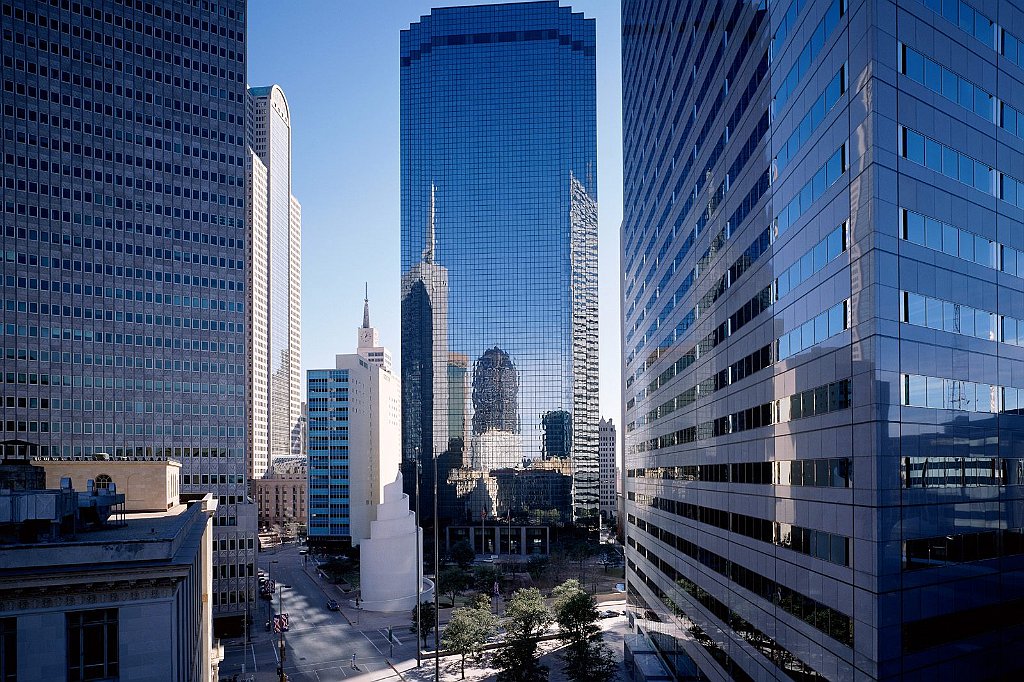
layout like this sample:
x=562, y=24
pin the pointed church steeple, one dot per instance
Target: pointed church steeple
x=366, y=307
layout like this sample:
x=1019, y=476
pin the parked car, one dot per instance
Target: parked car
x=609, y=614
x=333, y=605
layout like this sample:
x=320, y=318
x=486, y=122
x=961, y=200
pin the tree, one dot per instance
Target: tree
x=587, y=657
x=426, y=622
x=451, y=581
x=462, y=553
x=484, y=578
x=467, y=632
x=526, y=619
x=592, y=662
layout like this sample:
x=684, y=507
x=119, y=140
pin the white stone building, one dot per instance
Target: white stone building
x=128, y=599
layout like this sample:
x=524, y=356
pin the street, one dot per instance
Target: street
x=319, y=643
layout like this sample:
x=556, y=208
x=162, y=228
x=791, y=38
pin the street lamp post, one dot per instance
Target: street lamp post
x=437, y=611
x=280, y=641
x=419, y=559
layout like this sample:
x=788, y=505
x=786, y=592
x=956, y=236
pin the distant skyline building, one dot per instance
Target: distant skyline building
x=608, y=462
x=823, y=303
x=281, y=495
x=499, y=255
x=274, y=273
x=124, y=218
x=354, y=426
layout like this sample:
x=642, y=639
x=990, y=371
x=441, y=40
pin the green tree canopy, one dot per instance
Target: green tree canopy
x=462, y=553
x=526, y=619
x=467, y=632
x=426, y=623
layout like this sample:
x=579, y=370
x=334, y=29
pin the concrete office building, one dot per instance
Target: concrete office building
x=123, y=199
x=274, y=225
x=499, y=258
x=354, y=443
x=92, y=590
x=821, y=323
x=607, y=459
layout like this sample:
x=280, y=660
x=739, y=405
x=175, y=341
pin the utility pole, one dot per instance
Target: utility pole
x=419, y=559
x=437, y=611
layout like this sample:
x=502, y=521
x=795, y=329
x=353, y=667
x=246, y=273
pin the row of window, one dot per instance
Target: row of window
x=808, y=54
x=816, y=330
x=832, y=472
x=945, y=82
x=935, y=313
x=803, y=130
x=121, y=383
x=153, y=9
x=88, y=335
x=961, y=548
x=812, y=402
x=961, y=472
x=825, y=177
x=78, y=241
x=738, y=164
x=809, y=542
x=943, y=159
x=118, y=428
x=118, y=406
x=803, y=268
x=954, y=394
x=827, y=620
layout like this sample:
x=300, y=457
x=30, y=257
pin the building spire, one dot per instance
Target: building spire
x=428, y=247
x=366, y=307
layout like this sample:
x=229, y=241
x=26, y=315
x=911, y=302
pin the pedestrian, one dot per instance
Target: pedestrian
x=354, y=666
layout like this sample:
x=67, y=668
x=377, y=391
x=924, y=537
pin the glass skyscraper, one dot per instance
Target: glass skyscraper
x=499, y=261
x=822, y=327
x=123, y=210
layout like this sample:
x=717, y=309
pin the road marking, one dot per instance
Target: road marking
x=252, y=648
x=384, y=634
x=371, y=642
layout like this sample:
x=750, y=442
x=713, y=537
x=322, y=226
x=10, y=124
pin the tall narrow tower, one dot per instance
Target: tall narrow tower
x=274, y=230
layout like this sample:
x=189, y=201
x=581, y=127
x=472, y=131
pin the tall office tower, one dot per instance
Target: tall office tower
x=822, y=312
x=274, y=232
x=354, y=426
x=607, y=462
x=499, y=246
x=123, y=197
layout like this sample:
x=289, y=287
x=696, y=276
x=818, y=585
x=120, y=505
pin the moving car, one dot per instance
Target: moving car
x=333, y=605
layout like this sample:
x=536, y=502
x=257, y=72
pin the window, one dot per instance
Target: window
x=92, y=645
x=8, y=649
x=103, y=482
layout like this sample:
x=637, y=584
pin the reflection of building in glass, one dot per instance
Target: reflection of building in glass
x=823, y=298
x=557, y=441
x=495, y=393
x=499, y=157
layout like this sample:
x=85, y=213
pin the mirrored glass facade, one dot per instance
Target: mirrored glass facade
x=821, y=326
x=499, y=261
x=122, y=199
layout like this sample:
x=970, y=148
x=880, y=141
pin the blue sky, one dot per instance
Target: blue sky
x=338, y=65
